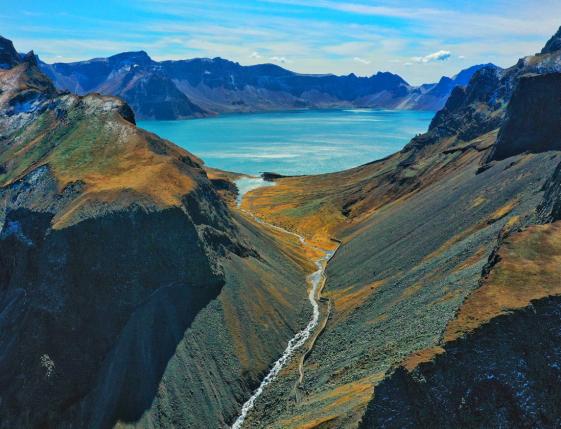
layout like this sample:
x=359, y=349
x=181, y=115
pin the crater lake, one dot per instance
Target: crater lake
x=294, y=142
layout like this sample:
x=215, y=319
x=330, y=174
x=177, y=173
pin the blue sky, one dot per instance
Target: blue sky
x=420, y=40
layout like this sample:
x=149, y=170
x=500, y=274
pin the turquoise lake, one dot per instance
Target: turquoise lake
x=296, y=142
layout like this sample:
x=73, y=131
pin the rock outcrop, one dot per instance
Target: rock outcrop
x=498, y=377
x=8, y=55
x=553, y=44
x=128, y=288
x=533, y=119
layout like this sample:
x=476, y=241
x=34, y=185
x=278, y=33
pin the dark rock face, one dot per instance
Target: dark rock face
x=550, y=208
x=533, y=120
x=553, y=44
x=54, y=287
x=156, y=97
x=8, y=55
x=44, y=267
x=501, y=376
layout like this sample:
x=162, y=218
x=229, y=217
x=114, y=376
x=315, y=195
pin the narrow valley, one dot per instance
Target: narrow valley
x=320, y=314
x=325, y=252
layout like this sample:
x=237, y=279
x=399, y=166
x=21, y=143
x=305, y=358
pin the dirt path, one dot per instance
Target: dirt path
x=321, y=328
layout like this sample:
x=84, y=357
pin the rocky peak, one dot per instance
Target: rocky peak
x=126, y=58
x=464, y=76
x=553, y=44
x=31, y=58
x=96, y=104
x=8, y=55
x=480, y=88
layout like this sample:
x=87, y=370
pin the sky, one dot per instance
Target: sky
x=419, y=40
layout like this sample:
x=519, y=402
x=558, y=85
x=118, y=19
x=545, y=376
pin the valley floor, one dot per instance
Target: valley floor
x=405, y=275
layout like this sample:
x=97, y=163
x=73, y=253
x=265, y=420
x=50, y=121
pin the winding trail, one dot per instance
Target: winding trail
x=322, y=326
x=317, y=280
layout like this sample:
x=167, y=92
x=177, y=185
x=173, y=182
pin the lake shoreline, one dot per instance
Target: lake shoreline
x=294, y=143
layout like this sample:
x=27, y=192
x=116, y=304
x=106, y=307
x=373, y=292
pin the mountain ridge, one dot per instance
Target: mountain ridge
x=117, y=254
x=207, y=86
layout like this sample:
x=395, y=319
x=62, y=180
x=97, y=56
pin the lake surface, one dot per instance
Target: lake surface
x=297, y=142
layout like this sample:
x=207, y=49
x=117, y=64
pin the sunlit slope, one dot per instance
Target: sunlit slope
x=325, y=205
x=499, y=353
x=398, y=279
x=431, y=255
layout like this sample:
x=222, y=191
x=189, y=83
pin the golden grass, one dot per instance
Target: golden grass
x=529, y=268
x=511, y=224
x=477, y=201
x=346, y=300
x=480, y=254
x=420, y=357
x=330, y=405
x=299, y=212
x=503, y=211
x=116, y=167
x=410, y=291
x=215, y=173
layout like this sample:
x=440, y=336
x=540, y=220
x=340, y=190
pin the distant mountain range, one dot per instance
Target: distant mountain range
x=203, y=87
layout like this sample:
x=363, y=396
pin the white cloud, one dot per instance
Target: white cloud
x=255, y=54
x=362, y=9
x=436, y=56
x=279, y=60
x=361, y=60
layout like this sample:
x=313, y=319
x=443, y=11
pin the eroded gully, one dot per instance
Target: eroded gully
x=312, y=330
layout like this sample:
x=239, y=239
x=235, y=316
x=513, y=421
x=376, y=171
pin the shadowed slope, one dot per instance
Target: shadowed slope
x=123, y=275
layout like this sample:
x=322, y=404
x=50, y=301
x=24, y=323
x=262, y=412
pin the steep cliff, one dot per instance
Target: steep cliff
x=533, y=119
x=130, y=294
